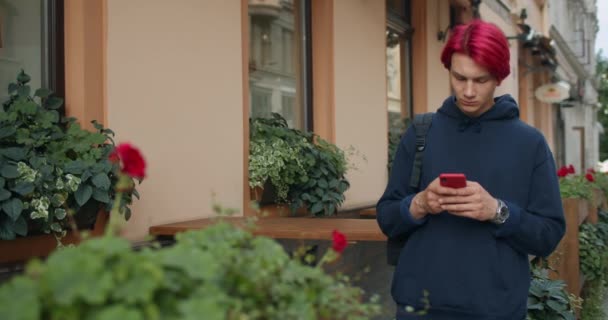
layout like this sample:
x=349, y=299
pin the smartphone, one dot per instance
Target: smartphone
x=453, y=180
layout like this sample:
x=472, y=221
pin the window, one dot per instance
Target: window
x=398, y=64
x=31, y=38
x=279, y=60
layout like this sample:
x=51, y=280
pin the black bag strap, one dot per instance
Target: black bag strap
x=422, y=123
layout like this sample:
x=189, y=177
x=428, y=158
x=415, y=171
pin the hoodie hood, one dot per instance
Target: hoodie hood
x=504, y=108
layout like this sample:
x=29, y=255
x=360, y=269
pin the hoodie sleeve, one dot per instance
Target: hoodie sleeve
x=392, y=211
x=537, y=228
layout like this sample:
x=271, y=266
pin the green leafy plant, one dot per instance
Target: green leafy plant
x=593, y=305
x=593, y=245
x=220, y=272
x=54, y=175
x=324, y=191
x=601, y=182
x=575, y=186
x=548, y=299
x=275, y=153
x=305, y=170
x=593, y=252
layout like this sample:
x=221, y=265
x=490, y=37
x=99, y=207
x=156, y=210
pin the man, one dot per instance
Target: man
x=468, y=247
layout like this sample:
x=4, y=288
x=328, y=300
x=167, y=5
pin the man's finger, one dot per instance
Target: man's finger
x=457, y=199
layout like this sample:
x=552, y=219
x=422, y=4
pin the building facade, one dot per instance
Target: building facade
x=180, y=79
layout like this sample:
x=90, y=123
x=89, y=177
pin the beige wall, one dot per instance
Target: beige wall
x=360, y=94
x=174, y=76
x=438, y=81
x=510, y=84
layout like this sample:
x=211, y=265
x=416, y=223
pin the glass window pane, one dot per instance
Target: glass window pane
x=21, y=42
x=397, y=80
x=276, y=59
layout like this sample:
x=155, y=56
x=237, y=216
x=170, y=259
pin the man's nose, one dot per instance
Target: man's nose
x=469, y=90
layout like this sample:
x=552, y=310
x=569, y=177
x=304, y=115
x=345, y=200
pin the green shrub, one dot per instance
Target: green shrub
x=305, y=170
x=217, y=273
x=51, y=169
x=548, y=299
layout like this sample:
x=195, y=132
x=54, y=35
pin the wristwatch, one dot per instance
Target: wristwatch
x=502, y=213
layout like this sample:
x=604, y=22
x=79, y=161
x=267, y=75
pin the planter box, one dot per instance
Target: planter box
x=39, y=246
x=565, y=259
x=268, y=208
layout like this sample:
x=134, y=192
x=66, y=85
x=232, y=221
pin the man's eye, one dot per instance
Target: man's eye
x=484, y=80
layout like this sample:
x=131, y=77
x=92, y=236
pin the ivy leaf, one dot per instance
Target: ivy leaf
x=12, y=87
x=4, y=194
x=333, y=183
x=101, y=181
x=343, y=186
x=135, y=193
x=86, y=175
x=97, y=125
x=332, y=208
x=42, y=93
x=101, y=195
x=75, y=167
x=9, y=171
x=14, y=153
x=316, y=208
x=49, y=117
x=53, y=103
x=556, y=305
x=20, y=226
x=7, y=231
x=7, y=131
x=127, y=213
x=24, y=91
x=323, y=183
x=83, y=194
x=23, y=188
x=13, y=208
x=23, y=77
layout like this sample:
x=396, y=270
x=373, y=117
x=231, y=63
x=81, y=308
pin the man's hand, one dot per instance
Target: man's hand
x=427, y=201
x=473, y=202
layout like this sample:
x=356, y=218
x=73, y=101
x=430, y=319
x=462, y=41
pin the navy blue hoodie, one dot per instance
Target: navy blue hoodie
x=473, y=269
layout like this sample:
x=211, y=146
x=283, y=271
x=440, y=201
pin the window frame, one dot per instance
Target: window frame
x=53, y=47
x=400, y=23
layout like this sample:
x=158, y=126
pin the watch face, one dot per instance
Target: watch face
x=502, y=214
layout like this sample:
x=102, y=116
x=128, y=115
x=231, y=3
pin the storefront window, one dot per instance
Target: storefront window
x=278, y=53
x=398, y=75
x=31, y=39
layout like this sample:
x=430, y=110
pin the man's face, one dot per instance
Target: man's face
x=473, y=85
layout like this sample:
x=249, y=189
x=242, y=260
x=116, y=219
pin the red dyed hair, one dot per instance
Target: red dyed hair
x=484, y=42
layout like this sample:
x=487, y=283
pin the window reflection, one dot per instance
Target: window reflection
x=276, y=59
x=21, y=48
x=398, y=82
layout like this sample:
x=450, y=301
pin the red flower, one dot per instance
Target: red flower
x=339, y=241
x=589, y=177
x=571, y=169
x=591, y=170
x=132, y=162
x=562, y=172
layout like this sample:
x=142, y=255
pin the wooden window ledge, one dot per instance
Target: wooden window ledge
x=287, y=227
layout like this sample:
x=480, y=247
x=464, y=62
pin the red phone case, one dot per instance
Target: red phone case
x=453, y=180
